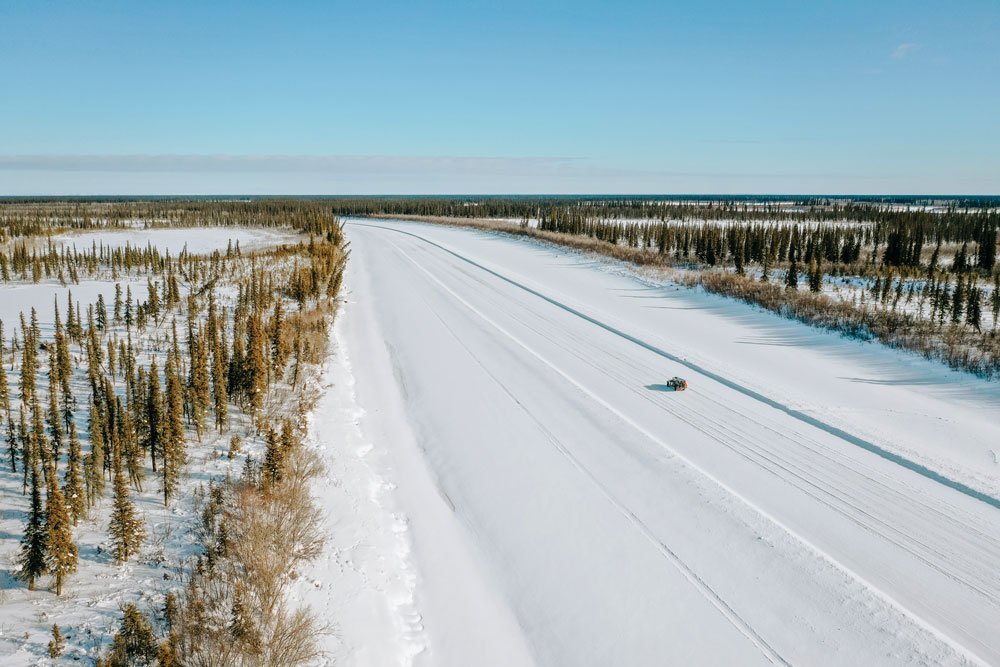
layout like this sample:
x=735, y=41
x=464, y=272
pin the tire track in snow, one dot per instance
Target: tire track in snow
x=746, y=391
x=740, y=623
x=878, y=592
x=800, y=474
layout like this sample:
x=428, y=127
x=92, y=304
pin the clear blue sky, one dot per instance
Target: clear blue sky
x=440, y=97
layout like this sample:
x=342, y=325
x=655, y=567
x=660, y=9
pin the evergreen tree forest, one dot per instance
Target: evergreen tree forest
x=107, y=408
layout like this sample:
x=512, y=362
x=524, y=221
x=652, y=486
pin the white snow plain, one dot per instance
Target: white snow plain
x=196, y=240
x=809, y=500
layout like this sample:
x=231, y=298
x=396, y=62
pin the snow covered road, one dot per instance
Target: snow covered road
x=807, y=501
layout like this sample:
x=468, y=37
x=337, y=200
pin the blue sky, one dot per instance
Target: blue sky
x=435, y=97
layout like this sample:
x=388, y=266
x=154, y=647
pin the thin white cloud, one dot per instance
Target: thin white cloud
x=328, y=164
x=53, y=175
x=359, y=166
x=309, y=174
x=903, y=50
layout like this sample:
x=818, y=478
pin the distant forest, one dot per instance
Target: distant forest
x=919, y=273
x=916, y=273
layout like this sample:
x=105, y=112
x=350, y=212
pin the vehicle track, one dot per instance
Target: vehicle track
x=795, y=413
x=814, y=487
x=903, y=493
x=713, y=597
x=809, y=478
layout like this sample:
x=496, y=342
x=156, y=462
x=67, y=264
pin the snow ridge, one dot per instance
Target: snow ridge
x=365, y=581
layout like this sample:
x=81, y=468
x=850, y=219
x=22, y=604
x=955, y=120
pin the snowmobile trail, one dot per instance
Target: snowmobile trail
x=626, y=525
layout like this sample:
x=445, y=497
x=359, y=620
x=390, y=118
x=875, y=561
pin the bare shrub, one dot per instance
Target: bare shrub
x=235, y=609
x=957, y=346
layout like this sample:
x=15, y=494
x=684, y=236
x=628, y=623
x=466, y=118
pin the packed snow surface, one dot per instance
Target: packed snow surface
x=808, y=500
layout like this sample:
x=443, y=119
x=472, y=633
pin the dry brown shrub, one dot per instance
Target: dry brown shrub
x=235, y=609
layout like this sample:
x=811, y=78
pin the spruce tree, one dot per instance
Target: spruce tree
x=212, y=321
x=55, y=416
x=199, y=381
x=32, y=557
x=958, y=300
x=27, y=451
x=65, y=370
x=75, y=494
x=792, y=275
x=118, y=303
x=135, y=644
x=40, y=445
x=102, y=313
x=932, y=267
x=173, y=292
x=220, y=393
x=126, y=530
x=237, y=360
x=816, y=276
x=155, y=434
x=987, y=255
x=973, y=308
x=173, y=431
x=74, y=324
x=279, y=342
x=61, y=558
x=112, y=359
x=960, y=263
x=95, y=460
x=12, y=442
x=128, y=308
x=28, y=357
x=274, y=458
x=131, y=448
x=255, y=371
x=94, y=350
x=166, y=655
x=153, y=299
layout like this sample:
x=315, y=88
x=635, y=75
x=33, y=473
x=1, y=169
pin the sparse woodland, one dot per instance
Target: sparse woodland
x=115, y=403
x=914, y=277
x=108, y=402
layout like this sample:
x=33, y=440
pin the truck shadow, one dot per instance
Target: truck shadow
x=660, y=387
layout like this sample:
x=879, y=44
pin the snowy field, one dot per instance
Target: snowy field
x=809, y=500
x=16, y=297
x=196, y=240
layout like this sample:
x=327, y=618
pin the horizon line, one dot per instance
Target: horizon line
x=509, y=195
